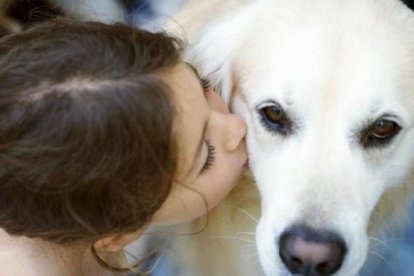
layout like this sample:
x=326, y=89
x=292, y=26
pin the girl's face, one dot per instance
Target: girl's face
x=211, y=148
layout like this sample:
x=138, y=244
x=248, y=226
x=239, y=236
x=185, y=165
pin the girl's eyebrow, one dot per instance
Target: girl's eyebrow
x=193, y=68
x=195, y=72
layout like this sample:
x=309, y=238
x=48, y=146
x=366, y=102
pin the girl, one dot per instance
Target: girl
x=104, y=130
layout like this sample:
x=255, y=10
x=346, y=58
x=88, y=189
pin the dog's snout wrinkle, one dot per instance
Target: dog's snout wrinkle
x=310, y=252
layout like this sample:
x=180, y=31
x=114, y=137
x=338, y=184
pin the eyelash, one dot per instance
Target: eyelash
x=205, y=84
x=211, y=154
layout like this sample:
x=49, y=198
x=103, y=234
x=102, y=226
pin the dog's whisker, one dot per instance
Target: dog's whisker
x=253, y=254
x=227, y=237
x=384, y=243
x=393, y=240
x=246, y=213
x=378, y=241
x=246, y=233
x=367, y=270
x=382, y=258
x=250, y=245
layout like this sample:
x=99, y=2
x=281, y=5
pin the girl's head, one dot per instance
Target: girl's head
x=103, y=130
x=86, y=130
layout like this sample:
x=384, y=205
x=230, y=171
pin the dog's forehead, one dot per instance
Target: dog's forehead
x=325, y=64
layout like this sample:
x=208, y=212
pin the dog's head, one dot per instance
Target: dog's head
x=327, y=91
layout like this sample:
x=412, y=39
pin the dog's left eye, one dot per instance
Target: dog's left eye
x=379, y=133
x=275, y=119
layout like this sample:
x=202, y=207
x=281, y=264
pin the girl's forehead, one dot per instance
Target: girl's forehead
x=191, y=115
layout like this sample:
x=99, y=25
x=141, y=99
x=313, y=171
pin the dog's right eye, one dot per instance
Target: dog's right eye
x=275, y=119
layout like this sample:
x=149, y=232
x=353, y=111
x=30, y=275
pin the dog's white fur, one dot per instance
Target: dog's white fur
x=335, y=66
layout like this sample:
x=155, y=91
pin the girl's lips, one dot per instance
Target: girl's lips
x=246, y=164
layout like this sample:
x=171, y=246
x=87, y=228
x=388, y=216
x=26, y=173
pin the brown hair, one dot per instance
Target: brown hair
x=86, y=143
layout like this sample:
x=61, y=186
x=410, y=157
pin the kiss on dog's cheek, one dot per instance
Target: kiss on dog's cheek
x=326, y=91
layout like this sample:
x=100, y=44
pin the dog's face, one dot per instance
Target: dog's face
x=327, y=93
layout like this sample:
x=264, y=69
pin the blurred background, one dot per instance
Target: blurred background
x=390, y=255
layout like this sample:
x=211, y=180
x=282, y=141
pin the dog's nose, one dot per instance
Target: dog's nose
x=306, y=251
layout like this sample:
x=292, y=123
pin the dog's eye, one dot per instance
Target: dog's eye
x=274, y=119
x=379, y=133
x=273, y=113
x=382, y=129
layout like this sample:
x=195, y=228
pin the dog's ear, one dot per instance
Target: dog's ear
x=214, y=48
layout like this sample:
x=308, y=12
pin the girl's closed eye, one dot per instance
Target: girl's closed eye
x=211, y=152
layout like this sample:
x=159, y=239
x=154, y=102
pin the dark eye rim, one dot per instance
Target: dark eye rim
x=369, y=140
x=284, y=128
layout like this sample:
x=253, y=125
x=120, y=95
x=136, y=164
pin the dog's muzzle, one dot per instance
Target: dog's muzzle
x=310, y=252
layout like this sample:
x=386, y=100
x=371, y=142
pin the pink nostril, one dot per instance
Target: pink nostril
x=310, y=252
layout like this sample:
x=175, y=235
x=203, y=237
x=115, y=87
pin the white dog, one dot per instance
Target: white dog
x=326, y=88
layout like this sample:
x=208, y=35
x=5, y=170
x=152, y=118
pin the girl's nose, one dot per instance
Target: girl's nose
x=235, y=129
x=216, y=102
x=233, y=126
